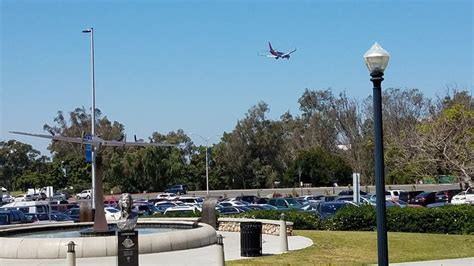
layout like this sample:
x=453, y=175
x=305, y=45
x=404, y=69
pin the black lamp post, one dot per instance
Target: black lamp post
x=376, y=59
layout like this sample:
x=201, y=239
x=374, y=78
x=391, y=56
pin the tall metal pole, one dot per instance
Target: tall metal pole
x=93, y=120
x=207, y=167
x=382, y=246
x=93, y=196
x=207, y=159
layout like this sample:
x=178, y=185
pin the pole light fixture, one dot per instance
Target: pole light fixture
x=206, y=140
x=376, y=59
x=93, y=196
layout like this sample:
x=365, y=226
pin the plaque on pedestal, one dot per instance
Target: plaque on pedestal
x=127, y=251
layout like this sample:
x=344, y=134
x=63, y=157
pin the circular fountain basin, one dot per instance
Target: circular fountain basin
x=155, y=235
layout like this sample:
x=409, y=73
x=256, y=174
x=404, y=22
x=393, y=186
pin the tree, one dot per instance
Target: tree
x=16, y=159
x=320, y=168
x=252, y=150
x=446, y=140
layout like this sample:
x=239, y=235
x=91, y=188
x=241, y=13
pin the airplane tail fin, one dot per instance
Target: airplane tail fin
x=270, y=45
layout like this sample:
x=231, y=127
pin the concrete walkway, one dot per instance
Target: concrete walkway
x=199, y=256
x=450, y=262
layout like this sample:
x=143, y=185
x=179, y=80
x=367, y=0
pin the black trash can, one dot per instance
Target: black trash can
x=250, y=239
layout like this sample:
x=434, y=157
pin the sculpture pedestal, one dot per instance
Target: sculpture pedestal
x=127, y=248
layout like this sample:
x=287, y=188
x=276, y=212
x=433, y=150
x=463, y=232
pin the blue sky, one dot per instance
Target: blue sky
x=165, y=65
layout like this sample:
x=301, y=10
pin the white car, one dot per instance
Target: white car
x=85, y=194
x=470, y=196
x=394, y=195
x=25, y=197
x=167, y=196
x=7, y=198
x=111, y=214
x=182, y=209
x=459, y=198
x=465, y=197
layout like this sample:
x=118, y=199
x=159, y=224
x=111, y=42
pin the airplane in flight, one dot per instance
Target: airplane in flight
x=277, y=54
x=97, y=141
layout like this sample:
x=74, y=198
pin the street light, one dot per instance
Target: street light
x=376, y=59
x=206, y=140
x=91, y=31
x=300, y=171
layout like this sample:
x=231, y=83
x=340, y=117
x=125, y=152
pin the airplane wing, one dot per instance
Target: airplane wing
x=61, y=138
x=289, y=53
x=115, y=143
x=268, y=55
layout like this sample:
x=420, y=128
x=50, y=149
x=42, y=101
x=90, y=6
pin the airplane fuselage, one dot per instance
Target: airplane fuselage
x=278, y=54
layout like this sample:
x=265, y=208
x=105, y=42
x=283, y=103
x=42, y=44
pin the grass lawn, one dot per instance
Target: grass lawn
x=349, y=248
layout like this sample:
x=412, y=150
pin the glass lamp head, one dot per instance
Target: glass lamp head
x=376, y=58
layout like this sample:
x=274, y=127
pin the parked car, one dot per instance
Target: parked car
x=285, y=203
x=229, y=210
x=264, y=206
x=167, y=196
x=470, y=196
x=446, y=195
x=233, y=203
x=12, y=217
x=311, y=207
x=162, y=206
x=395, y=194
x=60, y=205
x=144, y=209
x=6, y=198
x=36, y=217
x=85, y=194
x=425, y=198
x=328, y=209
x=38, y=196
x=111, y=214
x=59, y=195
x=191, y=200
x=111, y=203
x=182, y=209
x=312, y=198
x=350, y=192
x=73, y=213
x=177, y=189
x=465, y=197
x=61, y=217
x=409, y=196
x=458, y=199
x=28, y=206
x=248, y=198
x=25, y=197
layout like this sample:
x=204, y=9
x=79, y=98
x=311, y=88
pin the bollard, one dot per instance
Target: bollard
x=220, y=255
x=283, y=237
x=71, y=254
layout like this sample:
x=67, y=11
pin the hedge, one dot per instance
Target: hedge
x=451, y=219
x=445, y=220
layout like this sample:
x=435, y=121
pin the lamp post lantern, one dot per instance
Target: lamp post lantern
x=93, y=196
x=376, y=59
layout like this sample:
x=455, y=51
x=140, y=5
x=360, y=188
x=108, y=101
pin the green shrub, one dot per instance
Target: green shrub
x=352, y=218
x=445, y=220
